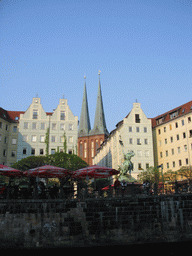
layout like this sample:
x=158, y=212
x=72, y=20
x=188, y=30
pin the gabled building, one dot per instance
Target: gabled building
x=90, y=140
x=60, y=125
x=134, y=132
x=172, y=138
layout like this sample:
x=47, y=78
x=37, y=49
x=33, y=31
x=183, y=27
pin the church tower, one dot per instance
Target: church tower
x=90, y=140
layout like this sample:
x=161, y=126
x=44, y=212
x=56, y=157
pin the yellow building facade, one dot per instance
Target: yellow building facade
x=172, y=138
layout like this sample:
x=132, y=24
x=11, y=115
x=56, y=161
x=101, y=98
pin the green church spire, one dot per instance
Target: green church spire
x=99, y=123
x=84, y=125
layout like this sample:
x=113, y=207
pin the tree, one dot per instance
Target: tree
x=185, y=171
x=65, y=143
x=170, y=175
x=152, y=174
x=67, y=161
x=47, y=142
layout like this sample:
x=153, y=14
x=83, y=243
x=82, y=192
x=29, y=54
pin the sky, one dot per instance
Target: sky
x=143, y=49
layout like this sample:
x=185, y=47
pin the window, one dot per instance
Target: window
x=172, y=151
x=167, y=165
x=62, y=115
x=180, y=163
x=185, y=148
x=53, y=151
x=26, y=125
x=147, y=165
x=97, y=144
x=4, y=152
x=13, y=153
x=147, y=153
x=146, y=141
x=139, y=153
x=92, y=148
x=137, y=129
x=14, y=141
x=161, y=154
x=190, y=133
x=35, y=114
x=164, y=129
x=130, y=141
x=33, y=138
x=186, y=161
x=165, y=141
x=6, y=140
x=170, y=127
x=53, y=139
x=176, y=125
x=182, y=122
x=53, y=126
x=6, y=127
x=24, y=151
x=184, y=135
x=189, y=119
x=42, y=126
x=139, y=166
x=145, y=129
x=177, y=136
x=42, y=138
x=14, y=128
x=70, y=151
x=70, y=139
x=81, y=149
x=62, y=127
x=34, y=125
x=70, y=127
x=174, y=114
x=130, y=129
x=171, y=139
x=179, y=150
x=173, y=163
x=138, y=141
x=0, y=137
x=32, y=151
x=61, y=138
x=166, y=152
x=41, y=151
x=1, y=125
x=137, y=119
x=159, y=131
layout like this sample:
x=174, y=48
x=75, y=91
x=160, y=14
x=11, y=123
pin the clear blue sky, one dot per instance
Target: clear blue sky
x=142, y=47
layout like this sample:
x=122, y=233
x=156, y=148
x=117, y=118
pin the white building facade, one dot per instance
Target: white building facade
x=134, y=132
x=34, y=124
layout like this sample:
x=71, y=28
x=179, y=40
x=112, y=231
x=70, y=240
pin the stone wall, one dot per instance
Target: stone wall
x=39, y=223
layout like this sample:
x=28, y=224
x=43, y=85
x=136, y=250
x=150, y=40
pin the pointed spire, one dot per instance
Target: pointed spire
x=99, y=123
x=84, y=125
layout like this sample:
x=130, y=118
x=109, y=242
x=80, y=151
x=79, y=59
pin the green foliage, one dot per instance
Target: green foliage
x=67, y=161
x=152, y=174
x=65, y=143
x=47, y=142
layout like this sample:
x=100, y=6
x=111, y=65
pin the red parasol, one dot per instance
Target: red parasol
x=94, y=171
x=10, y=172
x=47, y=171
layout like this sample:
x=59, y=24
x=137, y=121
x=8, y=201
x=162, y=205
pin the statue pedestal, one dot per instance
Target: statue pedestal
x=126, y=178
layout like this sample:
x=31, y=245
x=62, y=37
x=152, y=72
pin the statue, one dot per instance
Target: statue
x=127, y=166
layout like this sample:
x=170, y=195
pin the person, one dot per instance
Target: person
x=123, y=185
x=116, y=186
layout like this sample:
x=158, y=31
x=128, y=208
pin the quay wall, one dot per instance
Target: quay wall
x=129, y=220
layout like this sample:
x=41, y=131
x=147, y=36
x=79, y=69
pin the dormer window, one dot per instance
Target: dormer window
x=35, y=114
x=16, y=118
x=174, y=114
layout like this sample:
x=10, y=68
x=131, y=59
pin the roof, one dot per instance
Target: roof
x=10, y=116
x=181, y=111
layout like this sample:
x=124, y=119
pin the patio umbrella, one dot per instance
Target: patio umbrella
x=9, y=172
x=94, y=171
x=47, y=171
